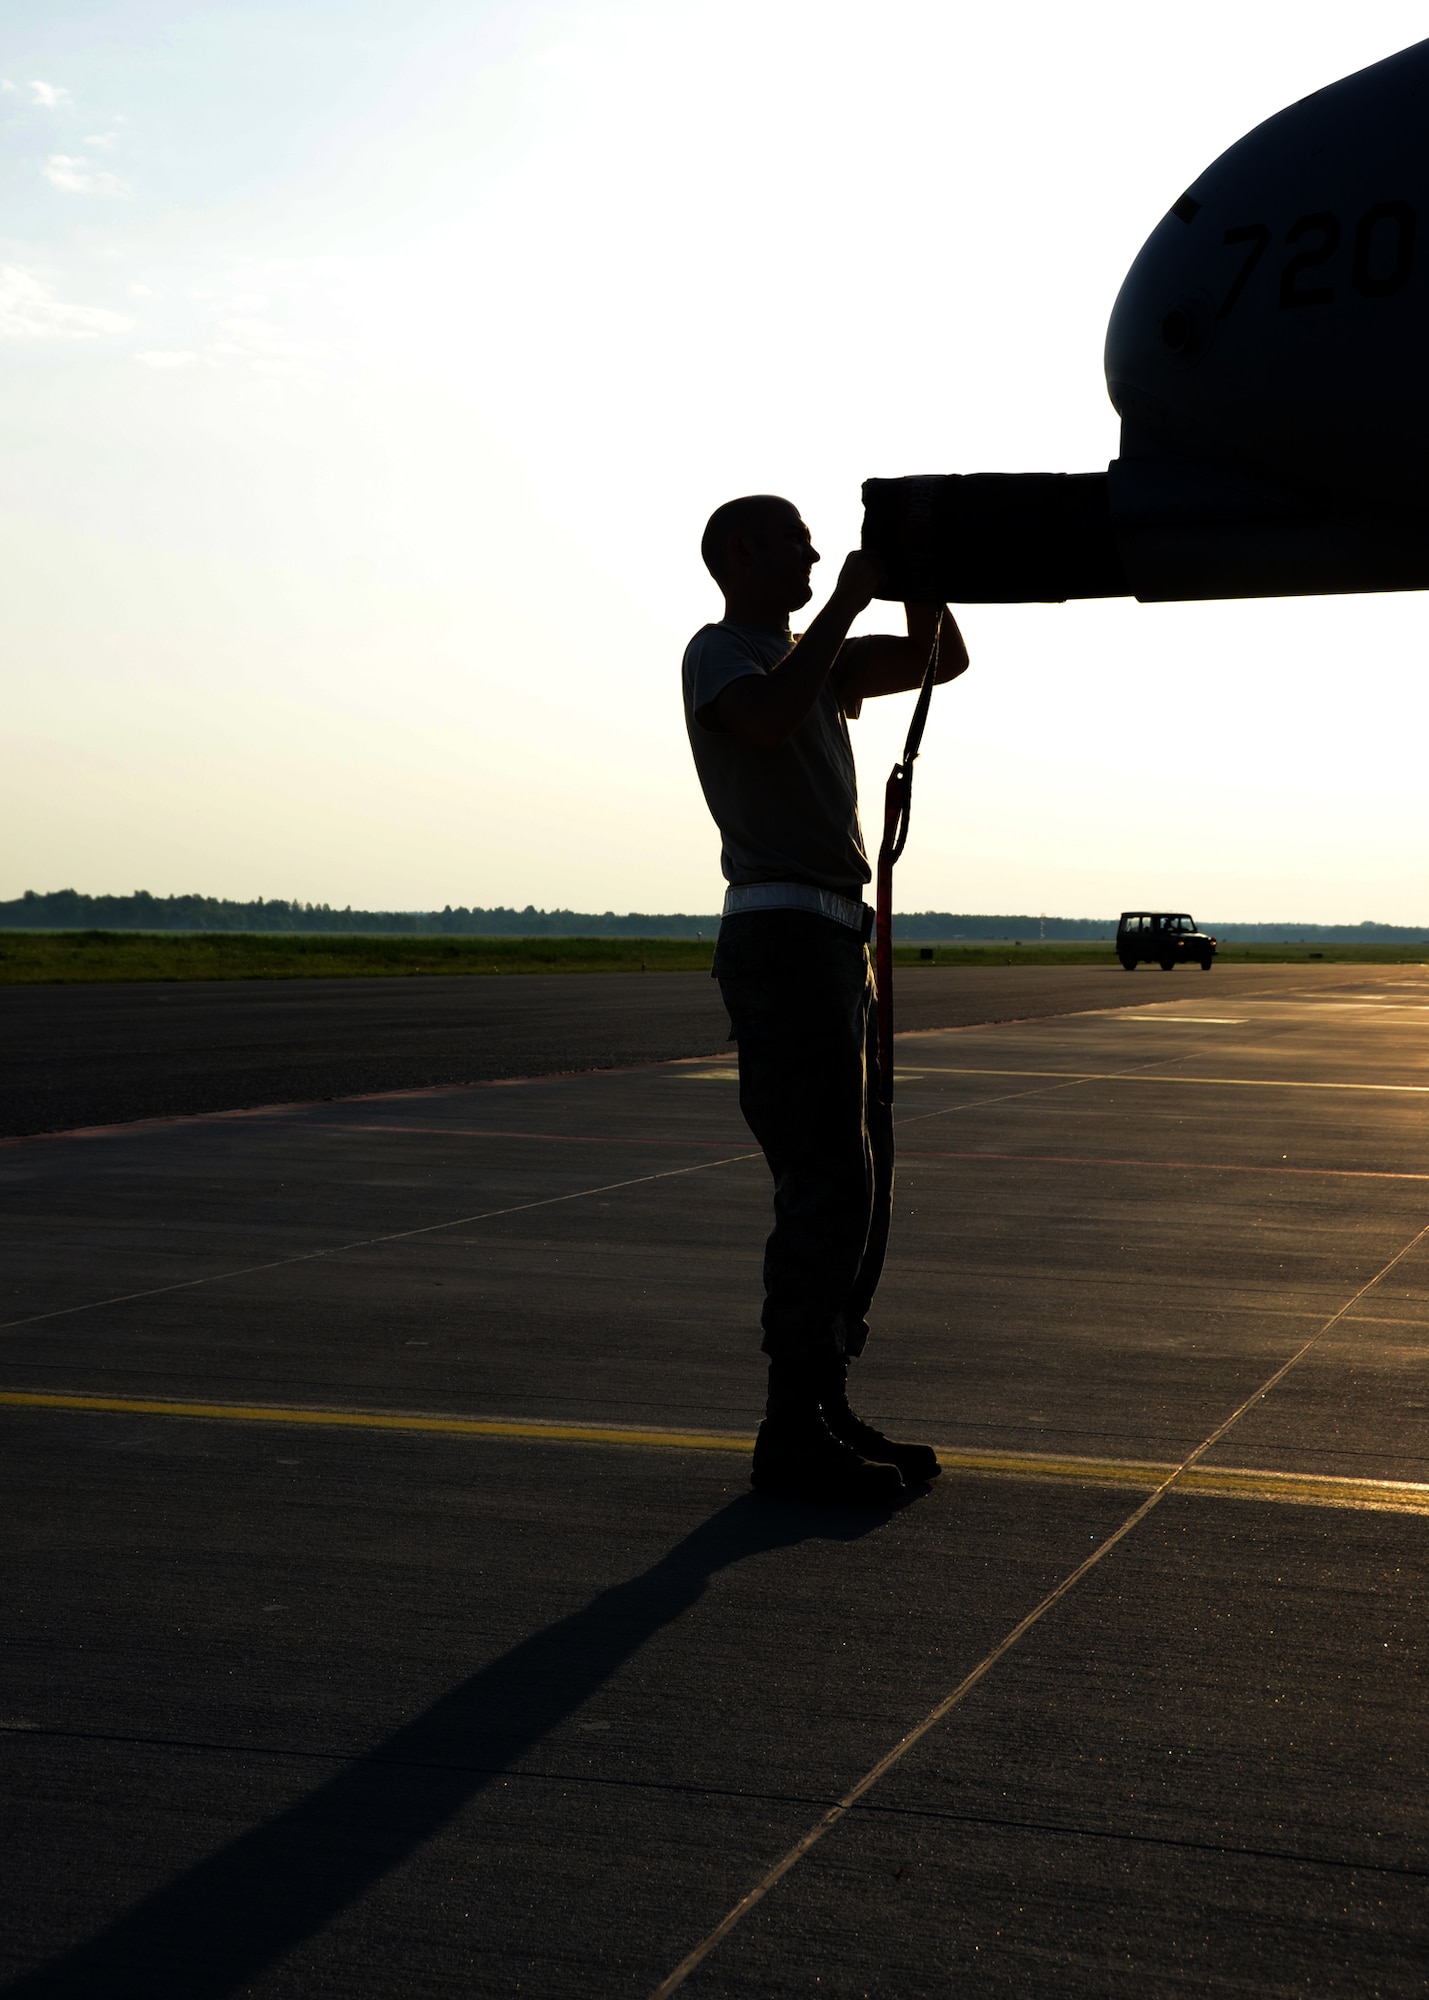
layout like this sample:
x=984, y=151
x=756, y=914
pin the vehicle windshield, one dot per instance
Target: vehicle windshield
x=1179, y=924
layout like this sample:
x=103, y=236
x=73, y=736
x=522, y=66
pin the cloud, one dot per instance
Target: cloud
x=100, y=139
x=167, y=357
x=51, y=95
x=258, y=343
x=256, y=319
x=29, y=310
x=72, y=175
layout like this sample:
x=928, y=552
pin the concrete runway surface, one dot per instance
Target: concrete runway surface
x=387, y=1612
x=93, y=1055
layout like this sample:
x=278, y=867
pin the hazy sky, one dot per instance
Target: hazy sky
x=370, y=369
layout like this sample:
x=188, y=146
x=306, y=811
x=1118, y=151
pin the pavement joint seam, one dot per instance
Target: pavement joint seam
x=904, y=1152
x=373, y=1242
x=1140, y=1075
x=836, y=1813
x=1177, y=1166
x=290, y=1108
x=489, y=1215
x=555, y=1138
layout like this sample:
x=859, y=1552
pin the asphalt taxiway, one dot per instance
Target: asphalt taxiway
x=388, y=1611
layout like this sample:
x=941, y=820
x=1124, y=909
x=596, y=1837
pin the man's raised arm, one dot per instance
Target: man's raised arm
x=764, y=710
x=886, y=665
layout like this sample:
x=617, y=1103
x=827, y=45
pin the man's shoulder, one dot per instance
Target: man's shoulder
x=726, y=650
x=728, y=640
x=722, y=636
x=717, y=656
x=701, y=641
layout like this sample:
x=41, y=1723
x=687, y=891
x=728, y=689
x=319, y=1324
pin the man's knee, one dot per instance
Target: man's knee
x=814, y=1123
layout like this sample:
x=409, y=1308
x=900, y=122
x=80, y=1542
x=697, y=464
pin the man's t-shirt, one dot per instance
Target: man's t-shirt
x=785, y=815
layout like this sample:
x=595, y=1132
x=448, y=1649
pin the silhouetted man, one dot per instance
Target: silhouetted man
x=767, y=718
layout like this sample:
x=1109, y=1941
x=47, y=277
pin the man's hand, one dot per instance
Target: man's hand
x=858, y=583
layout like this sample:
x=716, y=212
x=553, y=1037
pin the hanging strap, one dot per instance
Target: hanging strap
x=897, y=806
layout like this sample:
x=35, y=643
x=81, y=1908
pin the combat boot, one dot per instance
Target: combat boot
x=918, y=1463
x=797, y=1456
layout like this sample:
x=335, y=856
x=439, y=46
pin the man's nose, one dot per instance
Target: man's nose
x=814, y=556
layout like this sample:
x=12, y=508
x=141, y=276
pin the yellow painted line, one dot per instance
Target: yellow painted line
x=1022, y=1465
x=1302, y=1489
x=377, y=1420
x=1306, y=1489
x=1228, y=1482
x=1146, y=1076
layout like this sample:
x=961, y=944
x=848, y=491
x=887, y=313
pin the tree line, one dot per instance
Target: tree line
x=69, y=910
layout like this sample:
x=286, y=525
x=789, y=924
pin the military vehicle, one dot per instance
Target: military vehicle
x=1151, y=937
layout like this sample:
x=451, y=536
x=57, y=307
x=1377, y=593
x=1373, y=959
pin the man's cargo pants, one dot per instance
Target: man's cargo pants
x=800, y=995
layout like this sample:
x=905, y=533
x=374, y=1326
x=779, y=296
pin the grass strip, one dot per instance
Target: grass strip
x=1104, y=955
x=30, y=958
x=49, y=958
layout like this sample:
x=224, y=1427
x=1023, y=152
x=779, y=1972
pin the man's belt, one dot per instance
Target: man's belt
x=744, y=896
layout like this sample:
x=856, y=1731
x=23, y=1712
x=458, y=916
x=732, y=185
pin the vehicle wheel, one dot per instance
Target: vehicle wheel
x=1168, y=965
x=1128, y=965
x=1205, y=965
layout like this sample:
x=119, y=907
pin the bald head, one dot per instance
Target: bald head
x=753, y=519
x=760, y=554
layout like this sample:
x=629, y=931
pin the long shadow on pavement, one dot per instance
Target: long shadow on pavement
x=219, y=1925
